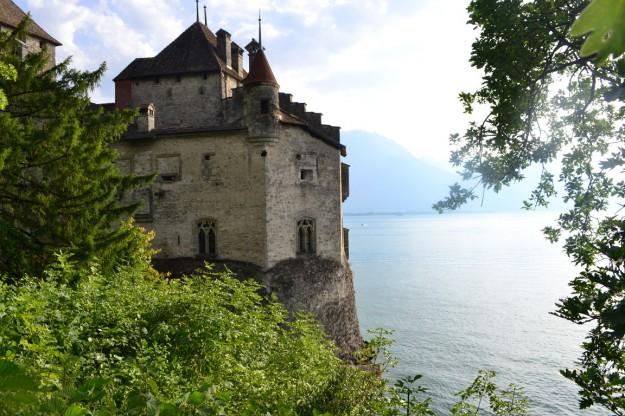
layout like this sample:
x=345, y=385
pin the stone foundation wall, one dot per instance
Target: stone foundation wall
x=324, y=288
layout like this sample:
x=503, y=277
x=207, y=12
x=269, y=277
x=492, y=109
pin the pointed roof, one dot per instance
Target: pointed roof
x=260, y=71
x=11, y=15
x=194, y=51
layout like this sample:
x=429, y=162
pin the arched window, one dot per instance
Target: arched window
x=207, y=238
x=306, y=243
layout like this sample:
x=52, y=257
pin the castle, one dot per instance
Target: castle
x=243, y=172
x=244, y=175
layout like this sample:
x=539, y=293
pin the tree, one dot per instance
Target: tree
x=549, y=104
x=59, y=185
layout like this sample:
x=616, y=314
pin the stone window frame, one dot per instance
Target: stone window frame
x=206, y=158
x=306, y=236
x=149, y=217
x=307, y=168
x=206, y=225
x=178, y=177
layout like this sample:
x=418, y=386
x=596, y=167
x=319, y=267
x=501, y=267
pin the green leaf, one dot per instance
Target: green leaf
x=75, y=410
x=604, y=21
x=196, y=398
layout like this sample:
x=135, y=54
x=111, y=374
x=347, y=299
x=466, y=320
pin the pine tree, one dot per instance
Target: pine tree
x=59, y=186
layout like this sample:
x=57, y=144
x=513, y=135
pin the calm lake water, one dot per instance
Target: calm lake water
x=465, y=292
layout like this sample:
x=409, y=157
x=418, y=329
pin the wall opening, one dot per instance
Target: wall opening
x=264, y=106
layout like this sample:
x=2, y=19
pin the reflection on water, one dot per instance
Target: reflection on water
x=465, y=292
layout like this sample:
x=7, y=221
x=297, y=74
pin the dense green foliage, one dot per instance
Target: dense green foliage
x=133, y=343
x=58, y=183
x=549, y=104
x=130, y=342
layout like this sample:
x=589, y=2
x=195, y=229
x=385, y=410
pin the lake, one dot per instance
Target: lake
x=465, y=292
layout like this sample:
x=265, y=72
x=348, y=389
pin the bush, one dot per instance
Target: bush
x=130, y=342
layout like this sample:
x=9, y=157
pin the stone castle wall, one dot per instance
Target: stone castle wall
x=190, y=101
x=291, y=198
x=229, y=187
x=254, y=192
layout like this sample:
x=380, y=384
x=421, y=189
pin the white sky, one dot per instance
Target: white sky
x=391, y=67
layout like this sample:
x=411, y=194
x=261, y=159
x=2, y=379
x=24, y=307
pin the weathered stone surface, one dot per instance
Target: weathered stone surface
x=324, y=288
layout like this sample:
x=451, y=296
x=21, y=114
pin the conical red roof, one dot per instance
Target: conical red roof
x=260, y=71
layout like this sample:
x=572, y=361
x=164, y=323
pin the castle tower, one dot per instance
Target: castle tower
x=261, y=102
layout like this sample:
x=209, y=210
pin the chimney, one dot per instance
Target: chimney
x=224, y=47
x=237, y=58
x=146, y=118
x=252, y=48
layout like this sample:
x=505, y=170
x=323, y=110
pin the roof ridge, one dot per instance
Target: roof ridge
x=193, y=51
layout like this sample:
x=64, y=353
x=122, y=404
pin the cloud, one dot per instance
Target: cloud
x=394, y=68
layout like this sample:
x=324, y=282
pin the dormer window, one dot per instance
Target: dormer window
x=264, y=106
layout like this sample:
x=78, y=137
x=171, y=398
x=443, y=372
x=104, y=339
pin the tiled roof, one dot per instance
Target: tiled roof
x=11, y=15
x=260, y=71
x=194, y=51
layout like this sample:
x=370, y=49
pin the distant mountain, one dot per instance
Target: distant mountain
x=386, y=178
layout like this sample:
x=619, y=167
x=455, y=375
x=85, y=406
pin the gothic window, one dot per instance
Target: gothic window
x=207, y=238
x=306, y=236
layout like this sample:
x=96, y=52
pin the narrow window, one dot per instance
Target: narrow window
x=169, y=93
x=264, y=106
x=157, y=80
x=207, y=238
x=306, y=243
x=42, y=44
x=201, y=90
x=178, y=78
x=208, y=166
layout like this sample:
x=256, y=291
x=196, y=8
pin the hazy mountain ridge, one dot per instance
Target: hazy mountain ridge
x=386, y=178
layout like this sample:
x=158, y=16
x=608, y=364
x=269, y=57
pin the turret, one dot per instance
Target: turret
x=262, y=106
